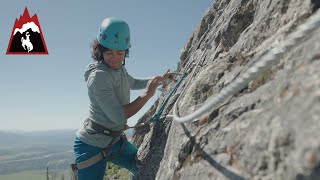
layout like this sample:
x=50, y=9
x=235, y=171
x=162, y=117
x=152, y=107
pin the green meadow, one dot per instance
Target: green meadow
x=30, y=175
x=35, y=175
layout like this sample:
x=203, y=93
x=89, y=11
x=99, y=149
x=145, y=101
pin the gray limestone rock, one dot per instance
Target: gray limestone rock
x=268, y=130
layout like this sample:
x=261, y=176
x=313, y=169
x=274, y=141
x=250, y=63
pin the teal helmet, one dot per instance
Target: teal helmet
x=114, y=34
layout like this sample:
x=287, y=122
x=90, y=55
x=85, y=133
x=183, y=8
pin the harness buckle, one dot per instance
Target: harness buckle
x=104, y=155
x=74, y=167
x=106, y=132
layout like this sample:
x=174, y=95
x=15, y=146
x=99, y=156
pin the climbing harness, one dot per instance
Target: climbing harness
x=99, y=129
x=94, y=128
x=266, y=61
x=110, y=153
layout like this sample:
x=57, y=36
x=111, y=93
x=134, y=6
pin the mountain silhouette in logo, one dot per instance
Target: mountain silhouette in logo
x=35, y=39
x=26, y=37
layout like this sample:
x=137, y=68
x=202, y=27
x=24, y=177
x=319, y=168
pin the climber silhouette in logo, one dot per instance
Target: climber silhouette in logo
x=26, y=37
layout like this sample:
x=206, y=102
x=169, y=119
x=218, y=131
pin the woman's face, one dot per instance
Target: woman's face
x=114, y=58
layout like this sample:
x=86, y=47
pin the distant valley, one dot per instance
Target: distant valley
x=37, y=151
x=22, y=151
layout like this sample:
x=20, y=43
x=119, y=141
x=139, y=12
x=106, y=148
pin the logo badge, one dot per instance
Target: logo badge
x=26, y=36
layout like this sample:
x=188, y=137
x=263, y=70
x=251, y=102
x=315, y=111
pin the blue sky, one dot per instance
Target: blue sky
x=42, y=92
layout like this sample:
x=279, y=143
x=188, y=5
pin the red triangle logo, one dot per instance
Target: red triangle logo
x=26, y=36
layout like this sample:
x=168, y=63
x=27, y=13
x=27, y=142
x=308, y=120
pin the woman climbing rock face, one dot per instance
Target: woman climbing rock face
x=101, y=138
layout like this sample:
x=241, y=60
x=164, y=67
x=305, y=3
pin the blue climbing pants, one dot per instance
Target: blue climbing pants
x=125, y=159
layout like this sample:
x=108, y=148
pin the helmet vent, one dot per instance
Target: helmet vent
x=103, y=36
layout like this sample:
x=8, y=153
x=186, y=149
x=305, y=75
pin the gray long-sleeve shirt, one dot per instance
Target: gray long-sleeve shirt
x=108, y=91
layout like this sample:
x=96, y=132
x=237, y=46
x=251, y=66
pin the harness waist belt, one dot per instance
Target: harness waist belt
x=101, y=129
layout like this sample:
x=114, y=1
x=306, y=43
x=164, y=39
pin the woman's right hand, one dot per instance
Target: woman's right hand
x=133, y=107
x=154, y=83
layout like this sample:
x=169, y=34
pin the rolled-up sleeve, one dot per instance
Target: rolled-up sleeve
x=137, y=83
x=104, y=95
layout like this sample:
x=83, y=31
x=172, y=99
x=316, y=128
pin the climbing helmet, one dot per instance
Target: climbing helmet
x=114, y=34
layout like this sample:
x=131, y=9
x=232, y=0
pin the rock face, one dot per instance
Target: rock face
x=268, y=130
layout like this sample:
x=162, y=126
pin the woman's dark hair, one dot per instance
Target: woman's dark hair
x=98, y=50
